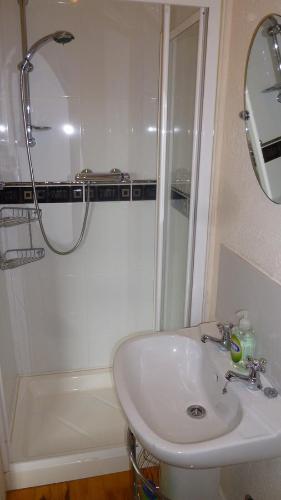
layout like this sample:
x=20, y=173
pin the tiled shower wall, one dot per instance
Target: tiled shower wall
x=99, y=92
x=9, y=103
x=70, y=312
x=99, y=95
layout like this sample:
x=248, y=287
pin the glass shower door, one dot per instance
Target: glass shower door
x=183, y=122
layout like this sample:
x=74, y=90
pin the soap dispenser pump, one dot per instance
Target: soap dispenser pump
x=244, y=322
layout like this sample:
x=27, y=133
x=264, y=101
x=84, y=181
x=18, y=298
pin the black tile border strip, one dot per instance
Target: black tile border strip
x=109, y=192
x=74, y=193
x=180, y=201
x=143, y=192
x=271, y=151
x=177, y=194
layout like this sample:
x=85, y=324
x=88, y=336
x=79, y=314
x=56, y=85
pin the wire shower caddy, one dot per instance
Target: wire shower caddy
x=146, y=471
x=14, y=216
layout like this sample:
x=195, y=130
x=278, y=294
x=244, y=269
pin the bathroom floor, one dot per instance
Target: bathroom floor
x=112, y=486
x=60, y=414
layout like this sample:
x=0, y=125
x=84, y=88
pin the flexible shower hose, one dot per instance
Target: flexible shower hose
x=31, y=171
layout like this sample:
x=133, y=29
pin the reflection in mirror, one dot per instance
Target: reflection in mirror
x=262, y=113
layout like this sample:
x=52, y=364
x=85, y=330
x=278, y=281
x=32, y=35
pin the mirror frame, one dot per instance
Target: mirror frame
x=243, y=114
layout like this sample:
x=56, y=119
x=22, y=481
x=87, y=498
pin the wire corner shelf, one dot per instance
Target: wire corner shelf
x=13, y=216
x=19, y=257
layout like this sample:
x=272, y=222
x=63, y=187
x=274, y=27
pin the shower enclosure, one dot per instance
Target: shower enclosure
x=129, y=93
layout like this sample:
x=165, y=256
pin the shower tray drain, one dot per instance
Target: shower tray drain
x=196, y=411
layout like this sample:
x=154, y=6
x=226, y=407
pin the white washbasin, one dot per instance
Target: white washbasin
x=158, y=376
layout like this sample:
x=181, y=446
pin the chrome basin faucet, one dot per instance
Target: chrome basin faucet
x=224, y=341
x=252, y=379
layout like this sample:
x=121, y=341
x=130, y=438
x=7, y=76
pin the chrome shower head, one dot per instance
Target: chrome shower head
x=59, y=37
x=63, y=37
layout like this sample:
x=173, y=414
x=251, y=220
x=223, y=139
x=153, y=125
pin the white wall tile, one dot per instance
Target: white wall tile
x=57, y=154
x=9, y=170
x=111, y=71
x=10, y=55
x=8, y=364
x=69, y=312
x=243, y=286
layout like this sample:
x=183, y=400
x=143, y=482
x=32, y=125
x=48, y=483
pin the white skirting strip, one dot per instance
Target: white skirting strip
x=67, y=468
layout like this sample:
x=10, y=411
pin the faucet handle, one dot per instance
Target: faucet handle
x=258, y=365
x=225, y=328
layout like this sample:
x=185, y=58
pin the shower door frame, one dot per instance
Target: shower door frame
x=194, y=313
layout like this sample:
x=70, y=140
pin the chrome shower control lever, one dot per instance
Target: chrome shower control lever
x=225, y=330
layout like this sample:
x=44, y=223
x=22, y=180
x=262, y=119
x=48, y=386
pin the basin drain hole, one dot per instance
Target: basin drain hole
x=196, y=411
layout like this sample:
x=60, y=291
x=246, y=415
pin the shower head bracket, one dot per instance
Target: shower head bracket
x=26, y=65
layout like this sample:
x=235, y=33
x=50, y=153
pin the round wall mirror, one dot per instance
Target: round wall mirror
x=262, y=113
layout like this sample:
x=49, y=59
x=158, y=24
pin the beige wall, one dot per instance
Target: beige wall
x=242, y=218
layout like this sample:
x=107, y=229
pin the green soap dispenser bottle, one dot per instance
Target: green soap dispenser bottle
x=247, y=338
